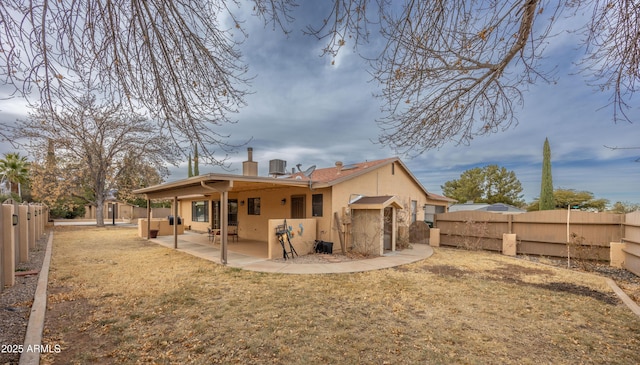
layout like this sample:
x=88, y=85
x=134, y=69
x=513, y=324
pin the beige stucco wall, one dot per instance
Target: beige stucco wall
x=256, y=227
x=386, y=180
x=160, y=224
x=302, y=236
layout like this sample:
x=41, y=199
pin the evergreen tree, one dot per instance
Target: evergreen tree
x=190, y=172
x=196, y=168
x=547, y=201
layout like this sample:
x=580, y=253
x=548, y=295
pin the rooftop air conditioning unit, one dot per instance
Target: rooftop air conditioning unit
x=277, y=167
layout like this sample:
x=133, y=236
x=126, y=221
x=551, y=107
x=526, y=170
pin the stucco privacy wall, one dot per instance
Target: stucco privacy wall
x=301, y=235
x=160, y=224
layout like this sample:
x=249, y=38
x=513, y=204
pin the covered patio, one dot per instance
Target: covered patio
x=218, y=187
x=250, y=255
x=239, y=253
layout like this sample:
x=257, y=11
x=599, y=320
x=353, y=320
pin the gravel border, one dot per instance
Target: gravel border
x=16, y=301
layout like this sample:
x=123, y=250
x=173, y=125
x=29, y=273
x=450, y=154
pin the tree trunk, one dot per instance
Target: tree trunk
x=100, y=211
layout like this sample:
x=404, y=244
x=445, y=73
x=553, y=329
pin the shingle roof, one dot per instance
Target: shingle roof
x=331, y=175
x=334, y=175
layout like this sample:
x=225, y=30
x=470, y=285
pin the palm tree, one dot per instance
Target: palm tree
x=14, y=169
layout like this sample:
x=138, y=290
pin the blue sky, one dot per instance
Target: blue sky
x=305, y=110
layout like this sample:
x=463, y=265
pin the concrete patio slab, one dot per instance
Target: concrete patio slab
x=198, y=245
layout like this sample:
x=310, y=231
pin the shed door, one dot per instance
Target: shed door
x=297, y=206
x=388, y=228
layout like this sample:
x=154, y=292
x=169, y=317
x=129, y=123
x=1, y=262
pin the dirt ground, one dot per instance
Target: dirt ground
x=116, y=298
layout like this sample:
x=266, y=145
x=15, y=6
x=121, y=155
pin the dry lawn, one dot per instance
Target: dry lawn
x=114, y=298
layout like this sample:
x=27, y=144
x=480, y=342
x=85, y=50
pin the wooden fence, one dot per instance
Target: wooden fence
x=537, y=233
x=631, y=240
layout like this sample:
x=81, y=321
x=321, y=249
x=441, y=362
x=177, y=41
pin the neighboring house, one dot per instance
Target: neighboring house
x=361, y=204
x=123, y=211
x=495, y=208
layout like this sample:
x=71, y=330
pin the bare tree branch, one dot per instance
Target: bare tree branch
x=176, y=61
x=613, y=40
x=92, y=140
x=450, y=71
x=624, y=148
x=456, y=71
x=347, y=24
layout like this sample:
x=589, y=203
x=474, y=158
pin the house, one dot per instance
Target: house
x=360, y=206
x=116, y=210
x=494, y=208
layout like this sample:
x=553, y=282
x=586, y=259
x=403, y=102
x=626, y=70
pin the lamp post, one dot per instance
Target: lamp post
x=112, y=209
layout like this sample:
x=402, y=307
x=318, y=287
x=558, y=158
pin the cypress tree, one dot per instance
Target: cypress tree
x=196, y=169
x=190, y=172
x=547, y=201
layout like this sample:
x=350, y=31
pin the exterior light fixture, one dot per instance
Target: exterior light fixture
x=283, y=201
x=14, y=219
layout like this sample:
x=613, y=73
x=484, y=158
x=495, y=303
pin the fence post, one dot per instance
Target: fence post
x=616, y=254
x=509, y=244
x=434, y=237
x=1, y=248
x=16, y=233
x=23, y=232
x=8, y=245
x=39, y=222
x=31, y=222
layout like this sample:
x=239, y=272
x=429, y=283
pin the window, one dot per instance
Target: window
x=232, y=216
x=233, y=210
x=254, y=206
x=200, y=211
x=316, y=205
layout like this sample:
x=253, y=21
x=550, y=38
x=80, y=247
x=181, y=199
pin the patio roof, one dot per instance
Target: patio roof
x=206, y=184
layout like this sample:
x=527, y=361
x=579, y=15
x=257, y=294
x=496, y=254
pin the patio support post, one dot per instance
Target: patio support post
x=223, y=189
x=175, y=222
x=148, y=218
x=224, y=220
